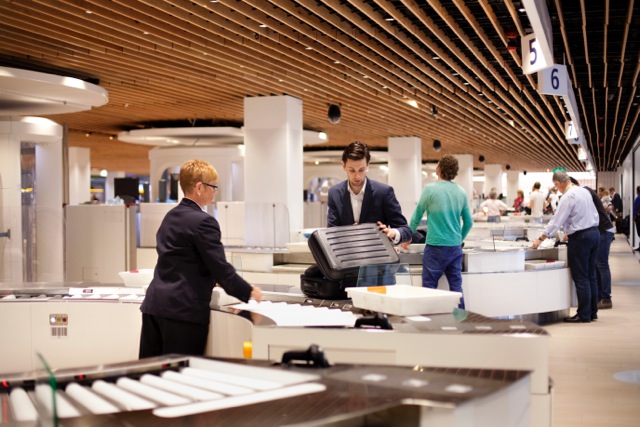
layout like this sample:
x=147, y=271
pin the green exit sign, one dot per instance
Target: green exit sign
x=559, y=170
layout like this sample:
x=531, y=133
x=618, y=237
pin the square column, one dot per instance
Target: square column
x=513, y=185
x=273, y=170
x=492, y=178
x=79, y=175
x=465, y=175
x=405, y=171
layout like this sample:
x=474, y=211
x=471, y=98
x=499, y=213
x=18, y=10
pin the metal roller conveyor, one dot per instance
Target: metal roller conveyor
x=156, y=391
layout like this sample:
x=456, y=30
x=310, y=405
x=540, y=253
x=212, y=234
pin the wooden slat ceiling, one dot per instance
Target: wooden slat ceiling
x=190, y=63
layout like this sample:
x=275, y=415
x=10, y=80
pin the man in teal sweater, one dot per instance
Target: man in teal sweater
x=445, y=203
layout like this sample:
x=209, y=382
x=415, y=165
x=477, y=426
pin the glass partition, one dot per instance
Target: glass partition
x=384, y=275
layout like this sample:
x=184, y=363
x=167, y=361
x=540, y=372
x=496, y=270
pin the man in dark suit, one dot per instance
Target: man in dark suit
x=359, y=200
x=616, y=202
x=191, y=260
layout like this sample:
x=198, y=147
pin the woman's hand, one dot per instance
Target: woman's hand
x=256, y=293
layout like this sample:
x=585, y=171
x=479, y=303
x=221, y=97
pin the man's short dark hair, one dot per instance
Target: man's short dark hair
x=448, y=167
x=356, y=151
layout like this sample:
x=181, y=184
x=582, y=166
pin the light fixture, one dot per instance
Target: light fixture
x=508, y=167
x=413, y=103
x=334, y=114
x=481, y=158
x=437, y=145
x=104, y=173
x=322, y=135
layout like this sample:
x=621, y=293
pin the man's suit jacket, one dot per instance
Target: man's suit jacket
x=616, y=201
x=379, y=204
x=191, y=260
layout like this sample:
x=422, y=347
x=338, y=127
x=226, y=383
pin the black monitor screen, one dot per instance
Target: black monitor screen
x=127, y=189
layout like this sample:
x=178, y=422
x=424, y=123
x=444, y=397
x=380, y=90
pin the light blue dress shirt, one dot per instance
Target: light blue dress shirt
x=575, y=212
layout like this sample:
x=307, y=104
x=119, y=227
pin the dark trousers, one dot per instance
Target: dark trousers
x=160, y=336
x=582, y=252
x=602, y=266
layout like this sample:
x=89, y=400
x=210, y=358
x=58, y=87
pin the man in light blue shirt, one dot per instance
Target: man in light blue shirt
x=578, y=216
x=445, y=203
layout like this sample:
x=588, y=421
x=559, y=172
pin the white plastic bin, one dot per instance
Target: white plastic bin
x=404, y=300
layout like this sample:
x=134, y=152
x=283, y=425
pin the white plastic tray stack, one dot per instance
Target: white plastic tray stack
x=404, y=300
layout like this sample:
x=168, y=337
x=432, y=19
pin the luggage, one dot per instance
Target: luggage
x=340, y=252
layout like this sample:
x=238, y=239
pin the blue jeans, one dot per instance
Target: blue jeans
x=602, y=266
x=439, y=260
x=493, y=218
x=582, y=251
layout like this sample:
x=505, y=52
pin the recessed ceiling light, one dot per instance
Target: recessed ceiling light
x=436, y=58
x=389, y=19
x=263, y=25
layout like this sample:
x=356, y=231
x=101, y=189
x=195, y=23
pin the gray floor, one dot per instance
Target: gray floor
x=591, y=364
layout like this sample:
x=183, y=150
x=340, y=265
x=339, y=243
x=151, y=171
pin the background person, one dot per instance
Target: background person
x=445, y=203
x=537, y=201
x=359, y=200
x=518, y=203
x=607, y=231
x=578, y=216
x=495, y=207
x=636, y=214
x=191, y=260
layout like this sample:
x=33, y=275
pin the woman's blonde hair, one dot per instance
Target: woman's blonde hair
x=195, y=171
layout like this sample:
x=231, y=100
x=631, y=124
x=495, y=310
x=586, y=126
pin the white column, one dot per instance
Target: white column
x=273, y=169
x=10, y=203
x=79, y=175
x=513, y=185
x=465, y=175
x=49, y=210
x=492, y=178
x=47, y=135
x=109, y=185
x=405, y=171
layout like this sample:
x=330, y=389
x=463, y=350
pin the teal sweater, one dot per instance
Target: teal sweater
x=445, y=202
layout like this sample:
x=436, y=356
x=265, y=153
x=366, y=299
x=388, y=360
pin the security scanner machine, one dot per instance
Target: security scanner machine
x=82, y=326
x=455, y=339
x=195, y=391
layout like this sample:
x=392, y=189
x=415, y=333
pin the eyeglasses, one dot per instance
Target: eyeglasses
x=215, y=187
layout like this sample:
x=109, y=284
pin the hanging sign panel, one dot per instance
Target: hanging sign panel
x=570, y=130
x=553, y=81
x=533, y=58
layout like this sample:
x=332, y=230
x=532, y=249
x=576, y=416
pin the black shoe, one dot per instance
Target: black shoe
x=594, y=317
x=636, y=249
x=576, y=319
x=605, y=304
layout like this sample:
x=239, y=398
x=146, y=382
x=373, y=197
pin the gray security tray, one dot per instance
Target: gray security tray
x=341, y=251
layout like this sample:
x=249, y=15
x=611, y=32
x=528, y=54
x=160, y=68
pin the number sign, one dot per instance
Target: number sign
x=553, y=80
x=533, y=59
x=571, y=131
